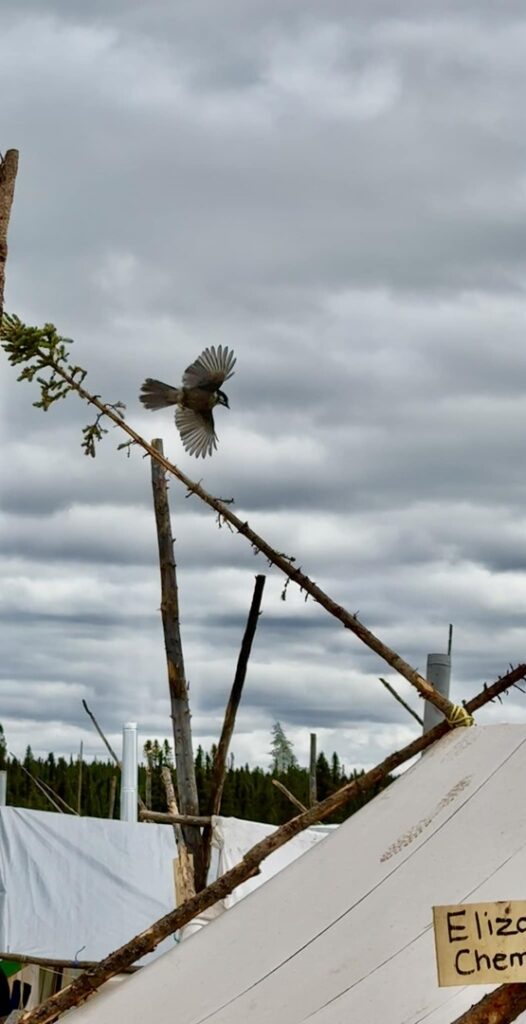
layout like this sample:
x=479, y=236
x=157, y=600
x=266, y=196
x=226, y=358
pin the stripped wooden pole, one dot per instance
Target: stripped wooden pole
x=180, y=706
x=184, y=868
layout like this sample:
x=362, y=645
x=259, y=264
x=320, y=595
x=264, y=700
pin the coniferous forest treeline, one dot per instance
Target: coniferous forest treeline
x=248, y=792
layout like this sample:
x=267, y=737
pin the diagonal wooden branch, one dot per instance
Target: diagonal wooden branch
x=400, y=700
x=277, y=558
x=290, y=796
x=110, y=749
x=219, y=765
x=43, y=788
x=8, y=172
x=89, y=982
x=101, y=734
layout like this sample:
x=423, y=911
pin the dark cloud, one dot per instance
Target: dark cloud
x=337, y=193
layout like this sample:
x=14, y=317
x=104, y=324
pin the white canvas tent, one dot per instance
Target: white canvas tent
x=344, y=933
x=77, y=888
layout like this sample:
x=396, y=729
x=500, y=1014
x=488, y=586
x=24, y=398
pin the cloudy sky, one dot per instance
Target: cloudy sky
x=338, y=192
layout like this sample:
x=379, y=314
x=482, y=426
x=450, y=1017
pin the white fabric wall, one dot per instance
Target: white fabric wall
x=345, y=932
x=75, y=887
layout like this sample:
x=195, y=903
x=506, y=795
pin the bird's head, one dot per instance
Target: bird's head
x=222, y=399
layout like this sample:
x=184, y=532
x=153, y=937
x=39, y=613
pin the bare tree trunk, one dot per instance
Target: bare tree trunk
x=8, y=171
x=219, y=766
x=180, y=707
x=141, y=944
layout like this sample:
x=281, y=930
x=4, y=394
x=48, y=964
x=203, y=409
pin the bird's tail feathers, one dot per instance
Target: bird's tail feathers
x=156, y=395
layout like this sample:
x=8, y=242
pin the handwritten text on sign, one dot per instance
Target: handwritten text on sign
x=480, y=943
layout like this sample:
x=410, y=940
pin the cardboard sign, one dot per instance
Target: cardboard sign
x=480, y=943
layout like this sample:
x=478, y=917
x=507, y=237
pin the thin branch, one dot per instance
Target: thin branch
x=290, y=796
x=20, y=345
x=101, y=734
x=58, y=797
x=196, y=820
x=40, y=786
x=44, y=961
x=8, y=172
x=146, y=941
x=401, y=700
x=108, y=745
x=220, y=759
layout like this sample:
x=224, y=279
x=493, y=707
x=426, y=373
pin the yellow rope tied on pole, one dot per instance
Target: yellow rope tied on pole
x=458, y=716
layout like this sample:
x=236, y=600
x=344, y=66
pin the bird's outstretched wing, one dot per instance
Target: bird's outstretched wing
x=211, y=369
x=197, y=431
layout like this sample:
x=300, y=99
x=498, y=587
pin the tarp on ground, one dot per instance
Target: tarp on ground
x=77, y=888
x=345, y=932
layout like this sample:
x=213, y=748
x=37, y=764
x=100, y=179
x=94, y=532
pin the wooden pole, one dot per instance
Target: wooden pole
x=180, y=707
x=8, y=172
x=313, y=788
x=220, y=759
x=184, y=869
x=147, y=940
x=113, y=791
x=44, y=961
x=79, y=780
x=187, y=820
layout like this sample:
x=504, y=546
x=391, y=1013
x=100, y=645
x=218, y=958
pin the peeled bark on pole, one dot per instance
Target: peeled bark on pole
x=8, y=171
x=87, y=983
x=219, y=765
x=184, y=870
x=180, y=707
